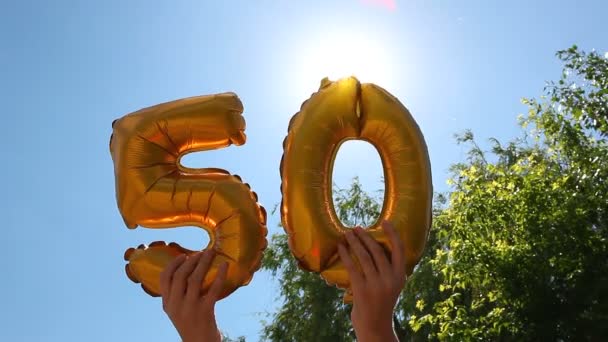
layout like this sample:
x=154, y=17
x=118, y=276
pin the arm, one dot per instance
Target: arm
x=377, y=286
x=191, y=313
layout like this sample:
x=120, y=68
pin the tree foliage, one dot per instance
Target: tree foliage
x=228, y=339
x=518, y=248
x=522, y=250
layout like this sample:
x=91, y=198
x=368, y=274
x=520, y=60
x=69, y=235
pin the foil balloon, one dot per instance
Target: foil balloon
x=340, y=111
x=154, y=190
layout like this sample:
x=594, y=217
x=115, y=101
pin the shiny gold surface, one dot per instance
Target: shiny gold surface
x=155, y=191
x=341, y=111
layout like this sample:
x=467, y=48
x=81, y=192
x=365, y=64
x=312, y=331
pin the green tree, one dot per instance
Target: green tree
x=518, y=248
x=226, y=338
x=523, y=252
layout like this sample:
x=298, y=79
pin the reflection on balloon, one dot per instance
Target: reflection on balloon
x=155, y=191
x=341, y=111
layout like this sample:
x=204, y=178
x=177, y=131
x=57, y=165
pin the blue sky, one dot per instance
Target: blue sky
x=68, y=68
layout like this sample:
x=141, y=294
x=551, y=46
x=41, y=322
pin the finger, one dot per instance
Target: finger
x=397, y=250
x=166, y=276
x=355, y=277
x=196, y=278
x=216, y=288
x=380, y=259
x=369, y=270
x=180, y=277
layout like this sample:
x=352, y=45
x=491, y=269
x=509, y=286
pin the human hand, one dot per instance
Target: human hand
x=191, y=313
x=377, y=286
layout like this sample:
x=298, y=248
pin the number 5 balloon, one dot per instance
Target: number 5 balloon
x=154, y=190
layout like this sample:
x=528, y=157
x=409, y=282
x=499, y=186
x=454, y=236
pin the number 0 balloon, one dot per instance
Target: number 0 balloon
x=155, y=191
x=341, y=111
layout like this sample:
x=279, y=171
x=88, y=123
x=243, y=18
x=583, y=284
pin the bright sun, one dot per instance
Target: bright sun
x=341, y=55
x=337, y=55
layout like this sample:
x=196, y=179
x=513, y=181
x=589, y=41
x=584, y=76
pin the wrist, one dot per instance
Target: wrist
x=211, y=335
x=376, y=334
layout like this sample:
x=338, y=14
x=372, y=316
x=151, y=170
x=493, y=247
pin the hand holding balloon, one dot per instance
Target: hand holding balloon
x=191, y=312
x=376, y=285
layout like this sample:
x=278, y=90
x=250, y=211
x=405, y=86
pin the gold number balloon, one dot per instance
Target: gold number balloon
x=155, y=191
x=341, y=111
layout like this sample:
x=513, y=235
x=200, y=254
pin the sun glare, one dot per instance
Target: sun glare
x=341, y=55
